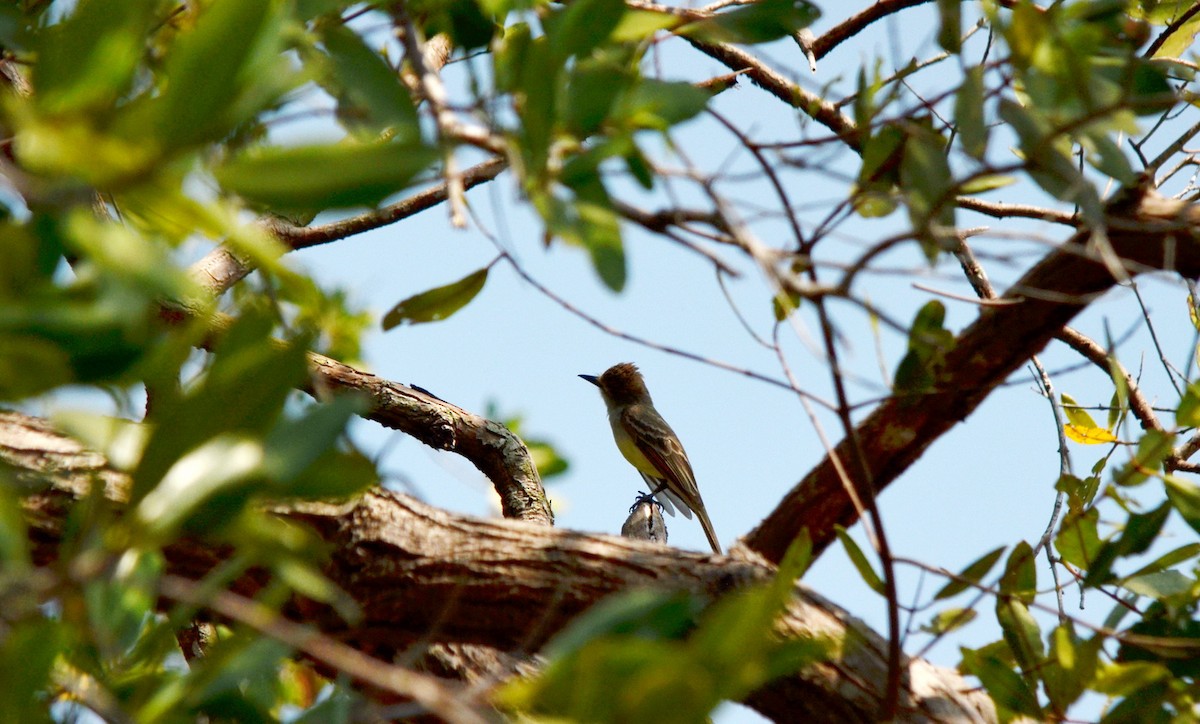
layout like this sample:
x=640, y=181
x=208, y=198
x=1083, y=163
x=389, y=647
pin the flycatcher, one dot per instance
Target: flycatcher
x=650, y=445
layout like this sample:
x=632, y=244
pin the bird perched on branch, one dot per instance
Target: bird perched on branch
x=650, y=445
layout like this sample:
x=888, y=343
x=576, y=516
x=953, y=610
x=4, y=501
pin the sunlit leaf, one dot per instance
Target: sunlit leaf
x=437, y=303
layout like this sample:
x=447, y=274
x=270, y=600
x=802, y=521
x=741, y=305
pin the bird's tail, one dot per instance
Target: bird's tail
x=707, y=525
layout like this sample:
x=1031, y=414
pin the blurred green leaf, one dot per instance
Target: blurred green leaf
x=295, y=444
x=1021, y=633
x=859, y=559
x=1161, y=585
x=659, y=104
x=928, y=343
x=325, y=177
x=1123, y=679
x=1141, y=531
x=581, y=26
x=760, y=22
x=950, y=32
x=437, y=303
x=28, y=651
x=87, y=61
x=592, y=91
x=1185, y=498
x=225, y=465
x=120, y=606
x=547, y=458
x=628, y=660
x=1020, y=574
x=951, y=619
x=968, y=112
x=972, y=574
x=368, y=91
x=14, y=545
x=224, y=403
x=233, y=45
x=1068, y=670
x=1188, y=412
x=928, y=184
x=1007, y=689
x=1078, y=541
x=1152, y=449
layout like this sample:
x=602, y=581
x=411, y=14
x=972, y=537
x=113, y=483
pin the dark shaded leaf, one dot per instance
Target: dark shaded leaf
x=324, y=177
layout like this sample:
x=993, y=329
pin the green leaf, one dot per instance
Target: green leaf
x=223, y=465
x=88, y=60
x=1007, y=689
x=1188, y=412
x=968, y=112
x=1068, y=670
x=582, y=26
x=1161, y=585
x=547, y=458
x=1021, y=633
x=1078, y=541
x=784, y=303
x=928, y=343
x=14, y=545
x=1141, y=531
x=28, y=652
x=638, y=25
x=760, y=22
x=229, y=48
x=952, y=619
x=593, y=89
x=950, y=31
x=859, y=559
x=1152, y=449
x=368, y=90
x=295, y=444
x=1185, y=498
x=324, y=177
x=1180, y=39
x=1047, y=153
x=989, y=182
x=1123, y=679
x=1020, y=574
x=438, y=303
x=659, y=104
x=242, y=394
x=1080, y=491
x=643, y=613
x=928, y=184
x=972, y=574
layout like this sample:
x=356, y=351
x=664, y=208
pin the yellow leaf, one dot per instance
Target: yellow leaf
x=1093, y=435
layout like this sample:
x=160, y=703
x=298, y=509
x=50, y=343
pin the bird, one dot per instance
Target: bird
x=650, y=445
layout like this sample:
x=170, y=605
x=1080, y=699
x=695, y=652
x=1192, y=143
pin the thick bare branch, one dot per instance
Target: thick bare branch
x=491, y=447
x=423, y=575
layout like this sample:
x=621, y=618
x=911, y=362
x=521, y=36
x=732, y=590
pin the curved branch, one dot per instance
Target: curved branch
x=422, y=575
x=1152, y=233
x=491, y=447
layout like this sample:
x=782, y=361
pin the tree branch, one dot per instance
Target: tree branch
x=422, y=575
x=1153, y=233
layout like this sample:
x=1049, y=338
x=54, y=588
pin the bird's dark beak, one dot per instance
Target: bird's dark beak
x=592, y=378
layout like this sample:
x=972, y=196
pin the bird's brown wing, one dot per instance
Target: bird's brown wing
x=658, y=442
